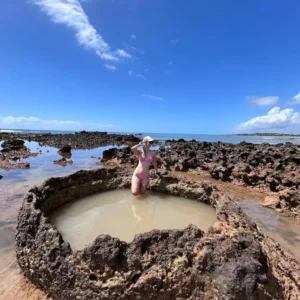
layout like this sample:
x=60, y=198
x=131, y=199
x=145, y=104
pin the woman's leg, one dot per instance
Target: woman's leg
x=144, y=185
x=135, y=185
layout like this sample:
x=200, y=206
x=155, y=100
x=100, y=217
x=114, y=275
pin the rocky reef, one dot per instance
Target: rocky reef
x=79, y=140
x=233, y=260
x=14, y=150
x=273, y=168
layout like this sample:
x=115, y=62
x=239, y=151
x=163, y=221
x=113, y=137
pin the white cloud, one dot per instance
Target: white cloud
x=295, y=100
x=134, y=74
x=11, y=122
x=285, y=119
x=110, y=67
x=107, y=56
x=134, y=49
x=263, y=101
x=174, y=41
x=122, y=53
x=133, y=36
x=151, y=97
x=71, y=14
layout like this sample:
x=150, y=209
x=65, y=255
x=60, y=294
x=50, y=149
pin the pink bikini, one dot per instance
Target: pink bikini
x=149, y=160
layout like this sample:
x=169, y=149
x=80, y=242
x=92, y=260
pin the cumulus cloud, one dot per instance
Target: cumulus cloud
x=110, y=67
x=263, y=101
x=11, y=122
x=133, y=36
x=134, y=74
x=284, y=119
x=71, y=14
x=295, y=100
x=152, y=97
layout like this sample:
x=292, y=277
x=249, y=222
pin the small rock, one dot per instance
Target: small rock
x=109, y=154
x=1, y=177
x=271, y=201
x=15, y=158
x=13, y=144
x=65, y=148
x=61, y=162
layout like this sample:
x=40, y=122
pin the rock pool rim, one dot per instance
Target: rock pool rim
x=44, y=197
x=160, y=264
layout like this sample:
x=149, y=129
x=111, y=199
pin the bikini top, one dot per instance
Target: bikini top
x=143, y=158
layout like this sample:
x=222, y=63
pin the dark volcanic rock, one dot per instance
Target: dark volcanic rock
x=233, y=260
x=65, y=149
x=7, y=165
x=79, y=140
x=14, y=144
x=266, y=167
x=1, y=177
x=109, y=154
x=62, y=162
x=14, y=150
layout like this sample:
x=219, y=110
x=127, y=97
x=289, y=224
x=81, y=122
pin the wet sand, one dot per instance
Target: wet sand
x=15, y=184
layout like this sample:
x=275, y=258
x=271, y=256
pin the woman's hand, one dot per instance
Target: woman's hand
x=135, y=148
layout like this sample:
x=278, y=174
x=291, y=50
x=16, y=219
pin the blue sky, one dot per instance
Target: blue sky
x=150, y=66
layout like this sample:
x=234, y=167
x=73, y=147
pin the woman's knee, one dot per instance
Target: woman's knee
x=143, y=190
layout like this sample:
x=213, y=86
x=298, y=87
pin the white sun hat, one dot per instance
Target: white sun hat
x=148, y=139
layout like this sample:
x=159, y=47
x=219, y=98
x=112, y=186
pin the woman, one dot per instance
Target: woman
x=140, y=178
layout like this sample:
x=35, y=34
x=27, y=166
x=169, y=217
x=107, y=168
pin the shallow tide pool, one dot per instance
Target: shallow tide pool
x=122, y=215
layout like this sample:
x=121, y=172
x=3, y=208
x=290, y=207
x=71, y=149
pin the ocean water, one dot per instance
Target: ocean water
x=225, y=138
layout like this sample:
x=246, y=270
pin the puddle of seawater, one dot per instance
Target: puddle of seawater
x=122, y=215
x=13, y=186
x=280, y=228
x=42, y=166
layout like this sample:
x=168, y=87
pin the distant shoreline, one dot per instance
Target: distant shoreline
x=267, y=134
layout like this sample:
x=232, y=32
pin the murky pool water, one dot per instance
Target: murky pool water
x=122, y=215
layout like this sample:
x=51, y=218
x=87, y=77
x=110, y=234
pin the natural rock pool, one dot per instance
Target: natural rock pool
x=122, y=215
x=232, y=259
